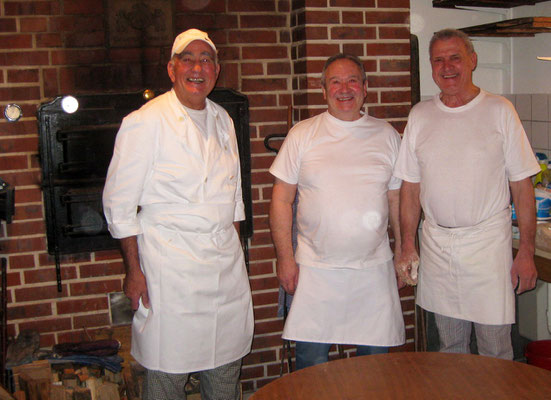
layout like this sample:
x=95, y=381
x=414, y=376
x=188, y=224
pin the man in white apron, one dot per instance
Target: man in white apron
x=340, y=163
x=461, y=152
x=172, y=197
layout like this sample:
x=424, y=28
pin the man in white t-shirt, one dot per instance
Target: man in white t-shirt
x=462, y=152
x=340, y=163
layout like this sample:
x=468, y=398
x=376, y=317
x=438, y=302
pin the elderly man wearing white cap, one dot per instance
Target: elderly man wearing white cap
x=173, y=198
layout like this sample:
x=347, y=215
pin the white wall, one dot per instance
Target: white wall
x=531, y=75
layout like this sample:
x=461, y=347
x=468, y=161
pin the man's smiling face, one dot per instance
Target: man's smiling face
x=345, y=89
x=193, y=73
x=452, y=66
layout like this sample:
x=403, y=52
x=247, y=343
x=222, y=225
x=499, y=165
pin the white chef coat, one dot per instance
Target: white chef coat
x=347, y=289
x=464, y=158
x=188, y=189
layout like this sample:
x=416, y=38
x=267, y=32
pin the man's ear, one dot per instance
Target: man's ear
x=170, y=69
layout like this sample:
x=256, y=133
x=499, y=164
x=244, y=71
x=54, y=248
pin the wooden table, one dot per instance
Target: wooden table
x=411, y=375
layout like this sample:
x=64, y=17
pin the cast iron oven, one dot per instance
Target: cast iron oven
x=75, y=151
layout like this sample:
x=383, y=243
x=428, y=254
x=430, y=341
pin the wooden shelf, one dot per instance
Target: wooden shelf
x=484, y=3
x=513, y=27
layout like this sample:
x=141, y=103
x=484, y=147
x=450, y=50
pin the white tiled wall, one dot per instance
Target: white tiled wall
x=534, y=111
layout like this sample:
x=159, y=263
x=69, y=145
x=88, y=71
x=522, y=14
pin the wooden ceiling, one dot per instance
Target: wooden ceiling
x=484, y=3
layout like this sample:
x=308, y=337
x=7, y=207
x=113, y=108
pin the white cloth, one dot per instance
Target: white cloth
x=189, y=191
x=464, y=158
x=343, y=171
x=354, y=306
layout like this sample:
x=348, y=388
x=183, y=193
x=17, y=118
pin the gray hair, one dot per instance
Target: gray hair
x=342, y=56
x=449, y=33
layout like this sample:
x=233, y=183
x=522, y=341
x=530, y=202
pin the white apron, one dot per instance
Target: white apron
x=465, y=272
x=201, y=311
x=346, y=306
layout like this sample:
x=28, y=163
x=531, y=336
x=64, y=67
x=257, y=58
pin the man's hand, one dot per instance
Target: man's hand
x=407, y=266
x=287, y=273
x=523, y=273
x=135, y=286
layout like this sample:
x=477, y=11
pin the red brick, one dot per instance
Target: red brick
x=261, y=100
x=401, y=96
x=47, y=340
x=63, y=24
x=386, y=17
x=252, y=372
x=268, y=115
x=96, y=287
x=45, y=259
x=29, y=195
x=269, y=312
x=395, y=65
x=259, y=178
x=229, y=75
x=264, y=283
x=39, y=293
x=398, y=125
x=21, y=261
x=64, y=57
x=261, y=52
x=37, y=24
x=30, y=211
x=318, y=50
x=19, y=93
x=21, y=228
x=349, y=17
x=260, y=357
x=374, y=81
x=48, y=40
x=31, y=7
x=260, y=208
x=13, y=279
x=82, y=7
x=261, y=162
x=47, y=325
x=321, y=17
x=8, y=25
x=263, y=85
x=381, y=49
x=23, y=245
x=261, y=238
x=48, y=274
x=18, y=146
x=16, y=41
x=108, y=255
x=352, y=3
x=263, y=342
x=13, y=162
x=393, y=3
x=356, y=49
x=29, y=311
x=23, y=75
x=252, y=36
x=261, y=268
x=279, y=68
x=252, y=69
x=106, y=269
x=393, y=32
x=82, y=305
x=265, y=298
x=349, y=32
x=262, y=21
x=387, y=112
x=93, y=320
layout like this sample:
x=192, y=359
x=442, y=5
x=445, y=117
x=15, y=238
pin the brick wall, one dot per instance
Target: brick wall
x=271, y=50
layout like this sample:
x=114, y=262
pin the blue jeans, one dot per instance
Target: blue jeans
x=311, y=353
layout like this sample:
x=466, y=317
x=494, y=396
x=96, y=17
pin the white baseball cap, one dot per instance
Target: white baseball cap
x=185, y=38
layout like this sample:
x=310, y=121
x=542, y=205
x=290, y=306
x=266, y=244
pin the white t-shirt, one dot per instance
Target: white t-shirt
x=464, y=158
x=343, y=171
